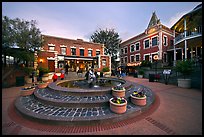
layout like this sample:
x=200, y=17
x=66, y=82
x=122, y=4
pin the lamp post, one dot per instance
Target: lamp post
x=156, y=57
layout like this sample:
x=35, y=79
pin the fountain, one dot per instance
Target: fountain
x=79, y=102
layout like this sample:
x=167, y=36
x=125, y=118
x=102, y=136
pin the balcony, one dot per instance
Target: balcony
x=189, y=35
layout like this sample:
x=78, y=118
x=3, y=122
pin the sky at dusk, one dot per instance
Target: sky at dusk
x=75, y=20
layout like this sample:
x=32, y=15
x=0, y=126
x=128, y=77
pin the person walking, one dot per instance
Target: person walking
x=66, y=68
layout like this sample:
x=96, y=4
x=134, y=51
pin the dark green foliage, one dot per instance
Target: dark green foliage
x=106, y=69
x=111, y=41
x=185, y=67
x=146, y=63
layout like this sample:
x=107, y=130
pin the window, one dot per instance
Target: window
x=63, y=51
x=132, y=48
x=73, y=51
x=154, y=41
x=81, y=52
x=132, y=59
x=52, y=48
x=125, y=50
x=137, y=46
x=165, y=40
x=137, y=57
x=122, y=61
x=97, y=53
x=104, y=62
x=147, y=57
x=122, y=51
x=89, y=53
x=125, y=60
x=146, y=44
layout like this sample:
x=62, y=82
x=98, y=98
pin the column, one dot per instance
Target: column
x=191, y=53
x=185, y=42
x=160, y=45
x=174, y=63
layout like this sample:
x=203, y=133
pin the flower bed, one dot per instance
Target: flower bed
x=118, y=105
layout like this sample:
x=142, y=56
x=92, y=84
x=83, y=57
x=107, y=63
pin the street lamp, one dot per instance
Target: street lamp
x=156, y=57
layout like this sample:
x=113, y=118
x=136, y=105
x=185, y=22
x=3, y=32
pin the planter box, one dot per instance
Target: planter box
x=27, y=92
x=184, y=83
x=138, y=101
x=42, y=85
x=118, y=93
x=118, y=108
x=140, y=76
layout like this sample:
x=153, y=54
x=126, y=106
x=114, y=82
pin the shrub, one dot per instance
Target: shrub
x=185, y=67
x=106, y=69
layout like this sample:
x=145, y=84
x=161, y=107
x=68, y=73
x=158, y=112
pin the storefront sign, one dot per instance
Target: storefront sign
x=133, y=64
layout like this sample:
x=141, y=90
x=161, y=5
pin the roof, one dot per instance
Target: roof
x=154, y=20
x=193, y=16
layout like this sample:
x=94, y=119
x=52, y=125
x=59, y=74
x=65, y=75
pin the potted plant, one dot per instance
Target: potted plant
x=26, y=91
x=118, y=105
x=138, y=98
x=42, y=84
x=28, y=77
x=118, y=91
x=45, y=76
x=185, y=67
x=140, y=73
x=106, y=72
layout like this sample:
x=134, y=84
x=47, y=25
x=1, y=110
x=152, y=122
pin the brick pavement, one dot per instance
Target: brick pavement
x=179, y=112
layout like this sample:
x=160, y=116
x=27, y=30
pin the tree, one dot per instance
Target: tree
x=7, y=36
x=24, y=35
x=110, y=39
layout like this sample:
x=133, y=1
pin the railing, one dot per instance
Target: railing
x=189, y=34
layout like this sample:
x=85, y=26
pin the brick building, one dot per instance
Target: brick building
x=155, y=40
x=78, y=54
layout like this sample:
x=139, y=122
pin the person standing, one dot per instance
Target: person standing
x=66, y=68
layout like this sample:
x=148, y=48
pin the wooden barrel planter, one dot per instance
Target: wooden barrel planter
x=27, y=92
x=118, y=93
x=42, y=85
x=140, y=101
x=118, y=108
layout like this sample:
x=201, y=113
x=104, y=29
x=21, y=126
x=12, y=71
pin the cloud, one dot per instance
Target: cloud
x=169, y=23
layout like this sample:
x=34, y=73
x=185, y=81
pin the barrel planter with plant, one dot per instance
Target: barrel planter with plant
x=138, y=98
x=185, y=67
x=118, y=91
x=26, y=91
x=118, y=105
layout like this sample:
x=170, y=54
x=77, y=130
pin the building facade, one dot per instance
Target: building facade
x=56, y=52
x=188, y=36
x=155, y=40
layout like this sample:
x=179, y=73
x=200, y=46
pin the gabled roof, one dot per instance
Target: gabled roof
x=154, y=20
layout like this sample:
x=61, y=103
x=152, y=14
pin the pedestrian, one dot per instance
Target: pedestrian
x=66, y=68
x=62, y=74
x=54, y=77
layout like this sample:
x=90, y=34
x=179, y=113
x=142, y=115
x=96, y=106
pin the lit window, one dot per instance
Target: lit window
x=97, y=53
x=104, y=62
x=90, y=53
x=63, y=51
x=52, y=48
